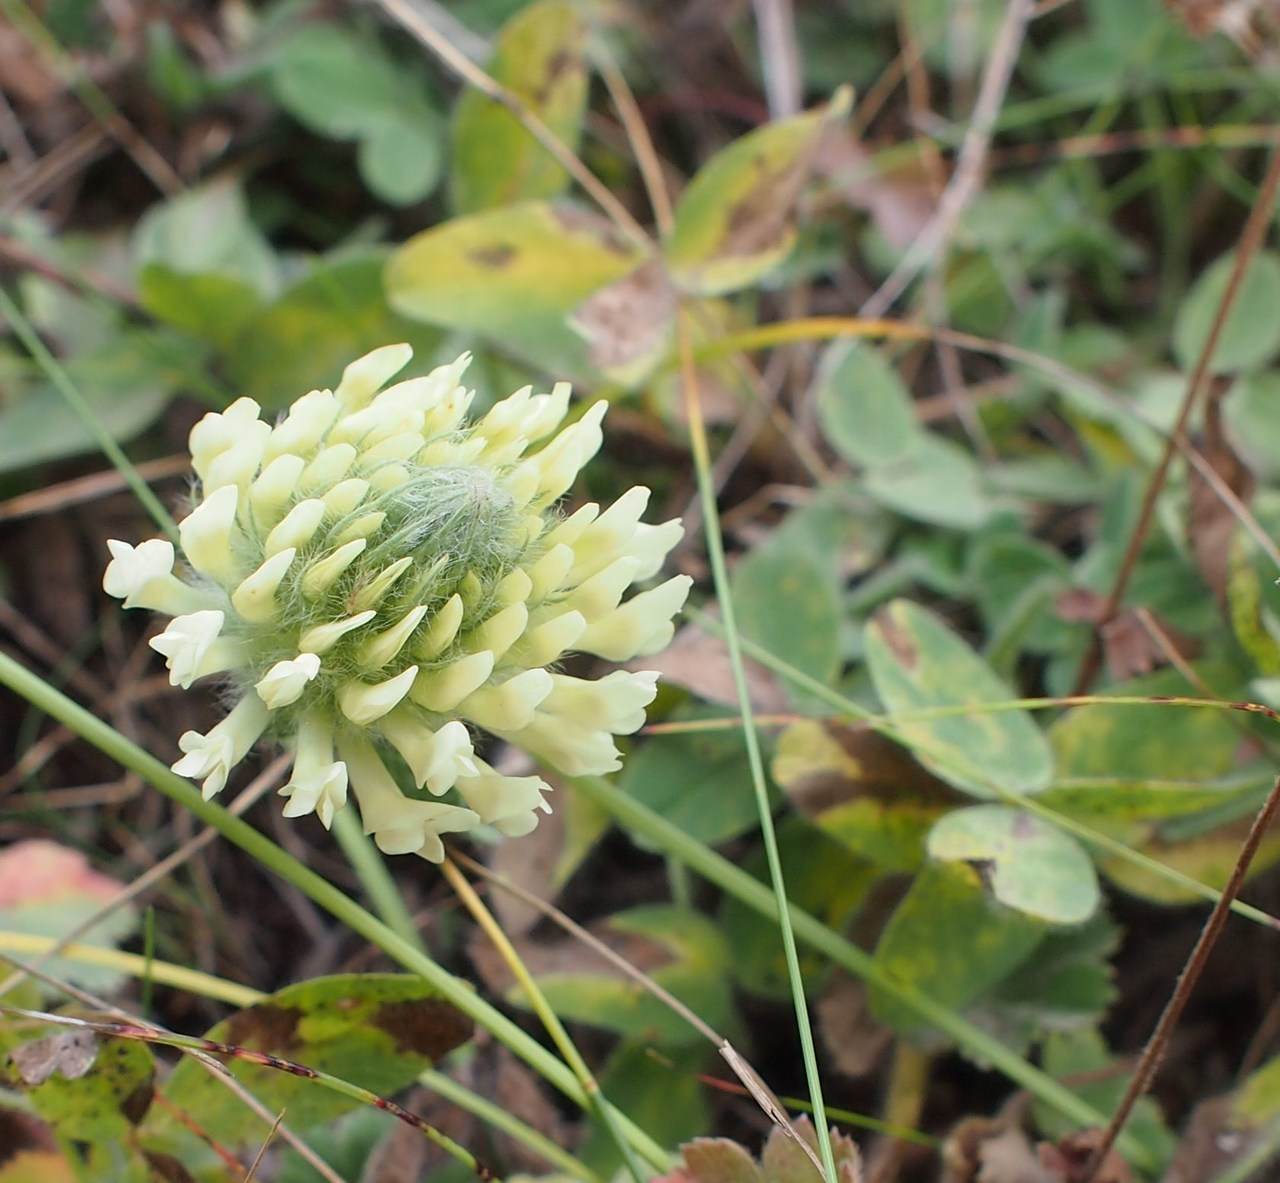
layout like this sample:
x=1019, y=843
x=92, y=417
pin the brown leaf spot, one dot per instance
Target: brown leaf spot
x=265, y=1028
x=427, y=1027
x=984, y=869
x=560, y=62
x=166, y=1168
x=22, y=1131
x=134, y=1107
x=762, y=219
x=493, y=258
x=898, y=639
x=875, y=768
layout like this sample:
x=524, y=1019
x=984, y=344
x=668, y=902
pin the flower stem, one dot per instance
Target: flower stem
x=375, y=877
x=550, y=1020
x=755, y=761
x=455, y=990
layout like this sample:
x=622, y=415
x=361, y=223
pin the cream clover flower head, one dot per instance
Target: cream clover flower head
x=376, y=578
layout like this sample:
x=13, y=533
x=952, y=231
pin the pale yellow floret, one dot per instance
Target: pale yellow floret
x=383, y=420
x=639, y=627
x=387, y=477
x=508, y=803
x=548, y=641
x=323, y=793
x=366, y=702
x=255, y=597
x=522, y=485
x=601, y=593
x=210, y=758
x=207, y=534
x=345, y=496
x=566, y=746
x=435, y=759
x=574, y=726
x=522, y=419
x=239, y=464
x=326, y=468
x=567, y=532
x=274, y=488
x=442, y=630
x=318, y=783
x=651, y=545
x=365, y=376
x=549, y=573
x=132, y=568
x=306, y=424
x=402, y=446
x=508, y=705
x=606, y=538
x=365, y=525
x=297, y=527
x=559, y=463
x=450, y=451
x=193, y=648
x=513, y=588
x=472, y=590
x=324, y=637
x=370, y=596
x=286, y=681
x=502, y=428
x=322, y=573
x=441, y=690
x=446, y=413
x=613, y=703
x=143, y=577
x=399, y=825
x=376, y=651
x=219, y=433
x=499, y=632
x=547, y=412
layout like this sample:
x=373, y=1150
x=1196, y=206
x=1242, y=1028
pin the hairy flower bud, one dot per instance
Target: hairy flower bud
x=377, y=580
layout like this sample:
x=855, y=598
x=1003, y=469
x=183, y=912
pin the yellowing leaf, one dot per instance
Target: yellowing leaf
x=512, y=275
x=539, y=60
x=736, y=220
x=947, y=941
x=862, y=789
x=374, y=1030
